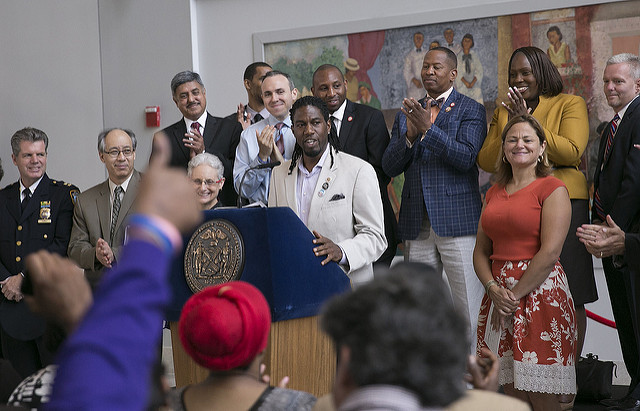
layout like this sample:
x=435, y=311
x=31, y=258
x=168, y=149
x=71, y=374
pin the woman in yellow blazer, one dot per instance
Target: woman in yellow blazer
x=535, y=86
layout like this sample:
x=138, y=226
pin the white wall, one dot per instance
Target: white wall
x=50, y=74
x=144, y=43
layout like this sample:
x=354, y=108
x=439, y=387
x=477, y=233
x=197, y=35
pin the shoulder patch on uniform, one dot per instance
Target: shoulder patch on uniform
x=74, y=195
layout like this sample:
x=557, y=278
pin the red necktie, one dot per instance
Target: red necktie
x=280, y=138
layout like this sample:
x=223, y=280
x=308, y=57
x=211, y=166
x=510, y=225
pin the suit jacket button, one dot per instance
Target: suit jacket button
x=18, y=243
x=45, y=236
x=18, y=259
x=19, y=228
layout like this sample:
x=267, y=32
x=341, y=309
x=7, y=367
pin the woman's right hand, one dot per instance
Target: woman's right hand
x=503, y=300
x=518, y=105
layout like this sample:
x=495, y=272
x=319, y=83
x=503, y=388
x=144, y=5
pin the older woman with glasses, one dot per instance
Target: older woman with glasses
x=206, y=172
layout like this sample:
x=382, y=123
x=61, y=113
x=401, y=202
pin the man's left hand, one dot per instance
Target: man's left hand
x=602, y=240
x=194, y=142
x=242, y=117
x=326, y=247
x=11, y=287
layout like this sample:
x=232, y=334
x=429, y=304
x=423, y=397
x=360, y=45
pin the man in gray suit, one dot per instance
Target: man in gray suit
x=100, y=212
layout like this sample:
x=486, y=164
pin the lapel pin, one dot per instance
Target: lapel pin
x=448, y=109
x=350, y=118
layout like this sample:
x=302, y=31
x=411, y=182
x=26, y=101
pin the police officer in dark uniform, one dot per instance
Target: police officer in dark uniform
x=35, y=213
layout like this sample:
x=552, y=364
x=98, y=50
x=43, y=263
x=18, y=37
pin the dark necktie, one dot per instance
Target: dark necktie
x=607, y=151
x=280, y=137
x=116, y=210
x=256, y=118
x=25, y=200
x=334, y=124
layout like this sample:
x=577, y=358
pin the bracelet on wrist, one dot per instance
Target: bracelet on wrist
x=488, y=285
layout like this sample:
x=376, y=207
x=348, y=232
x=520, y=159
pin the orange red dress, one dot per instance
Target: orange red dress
x=536, y=349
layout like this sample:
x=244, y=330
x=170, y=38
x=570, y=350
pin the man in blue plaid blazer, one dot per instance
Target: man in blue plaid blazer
x=435, y=141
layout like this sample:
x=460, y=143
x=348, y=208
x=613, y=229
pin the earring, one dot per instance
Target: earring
x=504, y=159
x=540, y=158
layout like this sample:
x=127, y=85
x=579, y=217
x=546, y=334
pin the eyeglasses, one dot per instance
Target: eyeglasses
x=208, y=182
x=115, y=153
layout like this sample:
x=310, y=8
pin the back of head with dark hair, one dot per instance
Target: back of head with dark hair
x=402, y=330
x=252, y=68
x=547, y=75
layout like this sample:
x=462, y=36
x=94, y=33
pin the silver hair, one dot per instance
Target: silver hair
x=103, y=135
x=186, y=76
x=631, y=59
x=29, y=134
x=208, y=159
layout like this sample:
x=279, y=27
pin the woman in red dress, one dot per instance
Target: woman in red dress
x=527, y=314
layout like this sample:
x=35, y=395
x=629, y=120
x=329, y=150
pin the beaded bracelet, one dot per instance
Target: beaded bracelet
x=489, y=284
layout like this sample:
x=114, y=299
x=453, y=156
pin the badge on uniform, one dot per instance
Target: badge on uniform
x=45, y=212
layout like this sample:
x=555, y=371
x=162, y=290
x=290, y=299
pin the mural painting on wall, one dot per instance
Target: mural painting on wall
x=383, y=67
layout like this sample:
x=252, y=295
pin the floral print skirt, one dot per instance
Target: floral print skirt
x=536, y=349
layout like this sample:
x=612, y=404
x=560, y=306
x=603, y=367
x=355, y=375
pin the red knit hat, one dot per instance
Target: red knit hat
x=225, y=326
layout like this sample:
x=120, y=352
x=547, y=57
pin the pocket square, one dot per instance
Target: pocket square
x=337, y=197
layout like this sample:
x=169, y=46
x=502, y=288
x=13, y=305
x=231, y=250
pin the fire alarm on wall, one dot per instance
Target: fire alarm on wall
x=153, y=116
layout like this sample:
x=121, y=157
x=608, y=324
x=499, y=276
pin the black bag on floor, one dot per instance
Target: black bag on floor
x=594, y=378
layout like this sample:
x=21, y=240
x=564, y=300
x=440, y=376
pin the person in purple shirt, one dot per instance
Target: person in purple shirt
x=107, y=360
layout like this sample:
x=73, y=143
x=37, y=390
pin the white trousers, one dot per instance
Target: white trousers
x=455, y=255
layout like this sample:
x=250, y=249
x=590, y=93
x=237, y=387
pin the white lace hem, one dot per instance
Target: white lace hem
x=545, y=378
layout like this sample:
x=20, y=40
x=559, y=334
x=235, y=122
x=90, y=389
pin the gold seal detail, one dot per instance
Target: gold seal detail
x=214, y=255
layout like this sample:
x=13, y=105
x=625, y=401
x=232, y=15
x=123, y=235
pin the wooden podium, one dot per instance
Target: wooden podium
x=297, y=348
x=294, y=283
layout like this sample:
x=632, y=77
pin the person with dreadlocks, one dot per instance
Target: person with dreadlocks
x=335, y=194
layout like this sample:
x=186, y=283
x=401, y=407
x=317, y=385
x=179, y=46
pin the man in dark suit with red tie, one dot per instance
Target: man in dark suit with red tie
x=363, y=133
x=35, y=213
x=198, y=131
x=617, y=194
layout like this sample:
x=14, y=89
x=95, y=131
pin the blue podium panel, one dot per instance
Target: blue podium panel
x=279, y=261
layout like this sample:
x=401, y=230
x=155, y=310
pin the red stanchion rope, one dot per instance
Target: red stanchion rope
x=601, y=320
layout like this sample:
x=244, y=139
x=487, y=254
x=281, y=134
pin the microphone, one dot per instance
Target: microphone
x=266, y=165
x=258, y=167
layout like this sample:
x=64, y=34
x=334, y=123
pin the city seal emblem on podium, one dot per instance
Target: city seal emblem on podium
x=214, y=255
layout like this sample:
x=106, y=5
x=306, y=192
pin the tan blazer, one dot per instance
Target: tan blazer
x=92, y=220
x=348, y=211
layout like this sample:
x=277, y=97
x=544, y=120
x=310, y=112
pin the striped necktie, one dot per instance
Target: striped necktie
x=597, y=203
x=117, y=201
